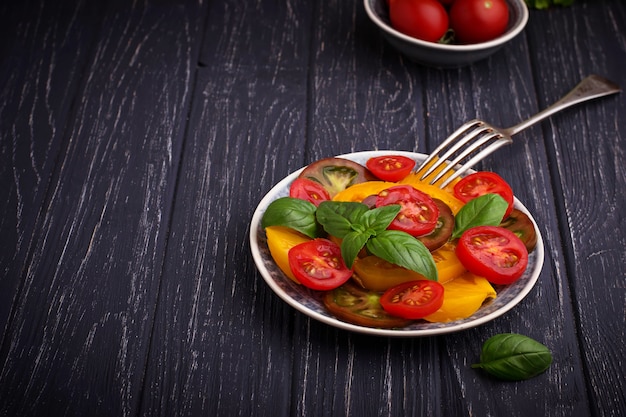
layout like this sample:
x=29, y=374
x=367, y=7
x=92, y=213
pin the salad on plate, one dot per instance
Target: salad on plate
x=361, y=242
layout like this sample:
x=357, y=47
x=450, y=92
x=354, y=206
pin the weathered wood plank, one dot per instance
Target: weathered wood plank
x=588, y=159
x=223, y=339
x=45, y=49
x=78, y=338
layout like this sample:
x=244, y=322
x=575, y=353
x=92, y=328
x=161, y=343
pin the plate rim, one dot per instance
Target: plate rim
x=445, y=329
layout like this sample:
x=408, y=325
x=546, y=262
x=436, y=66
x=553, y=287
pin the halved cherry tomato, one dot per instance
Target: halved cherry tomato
x=308, y=190
x=521, y=225
x=421, y=19
x=390, y=167
x=419, y=212
x=494, y=253
x=318, y=264
x=484, y=182
x=358, y=306
x=443, y=230
x=413, y=300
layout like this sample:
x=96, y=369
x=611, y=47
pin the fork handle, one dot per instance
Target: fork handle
x=589, y=88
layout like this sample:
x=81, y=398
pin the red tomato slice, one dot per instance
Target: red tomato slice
x=484, y=182
x=308, y=190
x=494, y=253
x=419, y=213
x=413, y=300
x=391, y=168
x=317, y=264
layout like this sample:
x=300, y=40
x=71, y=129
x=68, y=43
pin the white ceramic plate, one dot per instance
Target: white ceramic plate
x=309, y=301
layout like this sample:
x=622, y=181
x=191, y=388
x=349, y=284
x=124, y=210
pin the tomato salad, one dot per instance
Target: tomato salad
x=386, y=248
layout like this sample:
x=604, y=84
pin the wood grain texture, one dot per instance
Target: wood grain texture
x=136, y=140
x=81, y=324
x=589, y=142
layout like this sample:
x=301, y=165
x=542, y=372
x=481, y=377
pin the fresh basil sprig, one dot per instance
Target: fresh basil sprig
x=359, y=226
x=514, y=357
x=294, y=213
x=486, y=210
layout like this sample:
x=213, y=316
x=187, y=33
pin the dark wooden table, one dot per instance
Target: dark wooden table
x=137, y=138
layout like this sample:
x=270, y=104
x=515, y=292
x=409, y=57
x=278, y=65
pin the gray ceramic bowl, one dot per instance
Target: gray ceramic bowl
x=443, y=55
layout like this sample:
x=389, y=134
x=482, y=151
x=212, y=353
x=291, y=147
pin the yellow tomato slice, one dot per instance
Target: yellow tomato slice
x=448, y=265
x=280, y=240
x=374, y=273
x=358, y=192
x=436, y=172
x=462, y=297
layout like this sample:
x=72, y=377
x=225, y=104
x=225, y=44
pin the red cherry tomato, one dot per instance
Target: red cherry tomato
x=484, y=182
x=422, y=19
x=446, y=2
x=308, y=190
x=494, y=253
x=419, y=213
x=391, y=168
x=317, y=264
x=476, y=21
x=413, y=300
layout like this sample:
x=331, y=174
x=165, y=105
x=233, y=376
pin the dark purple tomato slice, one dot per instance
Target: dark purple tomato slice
x=356, y=305
x=521, y=225
x=336, y=174
x=443, y=230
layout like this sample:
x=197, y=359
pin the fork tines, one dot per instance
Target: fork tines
x=474, y=137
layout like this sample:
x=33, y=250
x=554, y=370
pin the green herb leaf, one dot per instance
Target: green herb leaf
x=340, y=218
x=402, y=249
x=351, y=246
x=380, y=218
x=486, y=210
x=294, y=213
x=514, y=357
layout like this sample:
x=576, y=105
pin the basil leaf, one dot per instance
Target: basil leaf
x=403, y=249
x=351, y=245
x=294, y=213
x=486, y=210
x=380, y=218
x=514, y=357
x=340, y=218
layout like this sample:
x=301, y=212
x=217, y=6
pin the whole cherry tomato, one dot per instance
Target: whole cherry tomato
x=422, y=19
x=476, y=21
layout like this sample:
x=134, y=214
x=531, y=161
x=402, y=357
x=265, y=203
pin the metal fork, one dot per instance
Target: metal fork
x=483, y=138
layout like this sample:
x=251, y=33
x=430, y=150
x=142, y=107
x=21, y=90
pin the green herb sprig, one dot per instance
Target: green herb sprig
x=514, y=357
x=361, y=227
